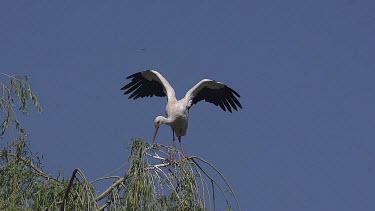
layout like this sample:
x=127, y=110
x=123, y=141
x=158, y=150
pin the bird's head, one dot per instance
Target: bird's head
x=158, y=121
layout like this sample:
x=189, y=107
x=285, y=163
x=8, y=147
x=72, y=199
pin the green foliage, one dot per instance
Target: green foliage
x=161, y=178
x=17, y=89
x=158, y=178
x=79, y=194
x=24, y=186
x=148, y=187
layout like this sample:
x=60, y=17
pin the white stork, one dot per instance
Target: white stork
x=150, y=82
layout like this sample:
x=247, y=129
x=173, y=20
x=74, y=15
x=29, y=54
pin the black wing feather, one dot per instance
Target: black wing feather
x=141, y=87
x=133, y=87
x=222, y=106
x=227, y=105
x=220, y=97
x=236, y=100
x=232, y=103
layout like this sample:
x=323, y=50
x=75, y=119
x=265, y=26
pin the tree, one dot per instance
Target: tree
x=159, y=177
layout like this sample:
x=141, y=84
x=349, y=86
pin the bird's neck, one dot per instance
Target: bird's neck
x=165, y=120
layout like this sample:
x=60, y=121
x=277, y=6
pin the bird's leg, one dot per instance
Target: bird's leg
x=182, y=149
x=174, y=140
x=174, y=146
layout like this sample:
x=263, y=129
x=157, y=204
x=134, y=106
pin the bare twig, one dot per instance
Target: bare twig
x=222, y=176
x=110, y=188
x=104, y=178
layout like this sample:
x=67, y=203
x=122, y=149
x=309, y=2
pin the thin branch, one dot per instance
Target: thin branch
x=156, y=156
x=213, y=193
x=222, y=176
x=68, y=189
x=104, y=178
x=116, y=169
x=212, y=180
x=39, y=171
x=108, y=190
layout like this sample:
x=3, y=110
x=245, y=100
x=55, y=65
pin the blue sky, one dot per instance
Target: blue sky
x=304, y=69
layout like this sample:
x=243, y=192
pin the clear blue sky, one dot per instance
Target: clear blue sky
x=305, y=71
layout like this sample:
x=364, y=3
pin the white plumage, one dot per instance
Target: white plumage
x=150, y=83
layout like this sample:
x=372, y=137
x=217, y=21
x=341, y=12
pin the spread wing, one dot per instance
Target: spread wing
x=148, y=83
x=213, y=92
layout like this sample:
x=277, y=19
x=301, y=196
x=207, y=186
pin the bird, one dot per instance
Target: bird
x=149, y=83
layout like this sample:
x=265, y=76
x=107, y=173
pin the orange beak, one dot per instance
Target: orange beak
x=155, y=132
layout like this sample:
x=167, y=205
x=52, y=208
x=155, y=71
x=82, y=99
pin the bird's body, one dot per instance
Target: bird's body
x=178, y=115
x=150, y=82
